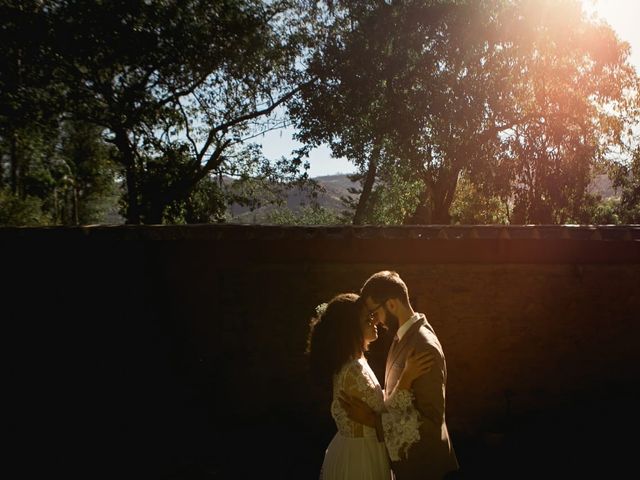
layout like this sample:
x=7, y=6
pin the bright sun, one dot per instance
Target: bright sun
x=623, y=16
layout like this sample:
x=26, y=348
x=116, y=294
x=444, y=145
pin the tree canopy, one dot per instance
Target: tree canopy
x=525, y=99
x=175, y=86
x=452, y=111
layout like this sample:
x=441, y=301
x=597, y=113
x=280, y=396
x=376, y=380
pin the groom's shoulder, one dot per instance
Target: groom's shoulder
x=424, y=325
x=427, y=335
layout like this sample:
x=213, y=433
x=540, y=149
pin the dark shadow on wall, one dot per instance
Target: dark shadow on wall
x=110, y=379
x=131, y=358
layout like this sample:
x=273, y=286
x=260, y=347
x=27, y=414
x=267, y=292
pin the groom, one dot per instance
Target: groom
x=386, y=298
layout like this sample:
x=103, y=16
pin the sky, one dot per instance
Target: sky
x=622, y=15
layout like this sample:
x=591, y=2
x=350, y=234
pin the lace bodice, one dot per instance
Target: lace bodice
x=356, y=378
x=400, y=419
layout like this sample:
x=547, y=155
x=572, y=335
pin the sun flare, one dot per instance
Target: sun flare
x=622, y=16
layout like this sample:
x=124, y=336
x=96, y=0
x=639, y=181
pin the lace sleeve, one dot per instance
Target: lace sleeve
x=352, y=384
x=356, y=380
x=400, y=423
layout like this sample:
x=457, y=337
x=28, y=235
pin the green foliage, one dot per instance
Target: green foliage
x=405, y=87
x=63, y=171
x=205, y=204
x=18, y=212
x=523, y=98
x=627, y=179
x=576, y=102
x=393, y=199
x=57, y=170
x=472, y=206
x=307, y=215
x=482, y=112
x=157, y=77
x=597, y=211
x=85, y=174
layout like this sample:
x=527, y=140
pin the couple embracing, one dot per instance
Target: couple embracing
x=399, y=432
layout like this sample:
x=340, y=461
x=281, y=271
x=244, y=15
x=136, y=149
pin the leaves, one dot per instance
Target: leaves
x=489, y=111
x=521, y=98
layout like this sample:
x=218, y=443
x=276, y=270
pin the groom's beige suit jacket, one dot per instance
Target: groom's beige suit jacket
x=433, y=455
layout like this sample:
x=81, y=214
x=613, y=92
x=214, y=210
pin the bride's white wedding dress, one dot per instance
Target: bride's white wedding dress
x=355, y=452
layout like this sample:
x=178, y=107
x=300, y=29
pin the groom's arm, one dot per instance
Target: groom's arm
x=357, y=409
x=360, y=412
x=428, y=389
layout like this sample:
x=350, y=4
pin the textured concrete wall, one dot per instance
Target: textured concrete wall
x=151, y=341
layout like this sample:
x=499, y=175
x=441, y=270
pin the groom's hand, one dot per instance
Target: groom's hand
x=357, y=410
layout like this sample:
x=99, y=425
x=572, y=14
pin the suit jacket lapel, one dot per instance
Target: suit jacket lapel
x=398, y=348
x=390, y=356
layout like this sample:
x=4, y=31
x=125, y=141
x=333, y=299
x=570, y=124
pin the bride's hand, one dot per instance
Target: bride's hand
x=416, y=365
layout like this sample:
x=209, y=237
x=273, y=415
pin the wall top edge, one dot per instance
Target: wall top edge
x=278, y=232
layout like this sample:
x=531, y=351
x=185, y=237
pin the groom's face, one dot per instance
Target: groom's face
x=379, y=313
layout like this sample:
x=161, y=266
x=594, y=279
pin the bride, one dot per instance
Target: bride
x=339, y=336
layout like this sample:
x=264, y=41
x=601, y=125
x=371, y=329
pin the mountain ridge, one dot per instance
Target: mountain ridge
x=335, y=187
x=332, y=189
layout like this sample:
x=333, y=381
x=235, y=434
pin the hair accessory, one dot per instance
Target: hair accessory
x=320, y=309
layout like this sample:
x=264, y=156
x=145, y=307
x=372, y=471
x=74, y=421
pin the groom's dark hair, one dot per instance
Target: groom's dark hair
x=384, y=285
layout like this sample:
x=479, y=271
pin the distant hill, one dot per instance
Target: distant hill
x=337, y=186
x=333, y=188
x=602, y=185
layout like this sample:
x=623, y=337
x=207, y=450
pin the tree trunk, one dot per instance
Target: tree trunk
x=14, y=163
x=76, y=217
x=367, y=187
x=156, y=209
x=57, y=216
x=182, y=188
x=1, y=175
x=131, y=175
x=446, y=190
x=435, y=202
x=133, y=208
x=441, y=214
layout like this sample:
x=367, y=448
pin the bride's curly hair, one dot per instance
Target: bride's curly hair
x=335, y=337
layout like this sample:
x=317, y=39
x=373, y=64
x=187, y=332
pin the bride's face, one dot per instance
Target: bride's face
x=369, y=328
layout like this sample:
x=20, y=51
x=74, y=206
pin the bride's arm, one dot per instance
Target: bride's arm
x=398, y=425
x=359, y=411
x=353, y=385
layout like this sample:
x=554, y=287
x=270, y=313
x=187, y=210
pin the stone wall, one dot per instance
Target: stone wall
x=155, y=343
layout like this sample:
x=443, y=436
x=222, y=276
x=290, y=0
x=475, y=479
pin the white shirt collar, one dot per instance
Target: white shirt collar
x=407, y=325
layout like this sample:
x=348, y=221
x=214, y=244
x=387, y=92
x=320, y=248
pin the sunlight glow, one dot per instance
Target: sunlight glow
x=622, y=16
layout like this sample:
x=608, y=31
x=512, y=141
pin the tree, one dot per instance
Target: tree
x=626, y=177
x=456, y=102
x=403, y=91
x=85, y=176
x=508, y=94
x=473, y=205
x=576, y=102
x=166, y=81
x=345, y=105
x=28, y=124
